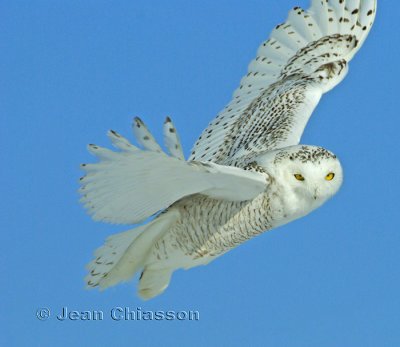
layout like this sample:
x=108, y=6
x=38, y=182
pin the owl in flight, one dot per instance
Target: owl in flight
x=246, y=173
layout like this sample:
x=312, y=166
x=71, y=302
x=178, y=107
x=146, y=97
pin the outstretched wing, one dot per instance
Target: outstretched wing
x=304, y=57
x=130, y=185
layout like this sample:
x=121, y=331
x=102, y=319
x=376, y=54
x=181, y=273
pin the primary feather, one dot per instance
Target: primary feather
x=130, y=185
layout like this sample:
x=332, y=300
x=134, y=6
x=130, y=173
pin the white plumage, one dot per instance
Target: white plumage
x=155, y=180
x=304, y=57
x=246, y=173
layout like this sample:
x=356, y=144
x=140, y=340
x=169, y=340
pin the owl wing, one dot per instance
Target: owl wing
x=130, y=185
x=304, y=57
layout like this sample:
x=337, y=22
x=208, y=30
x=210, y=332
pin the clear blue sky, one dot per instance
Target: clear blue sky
x=71, y=70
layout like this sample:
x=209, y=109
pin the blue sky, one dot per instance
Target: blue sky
x=71, y=70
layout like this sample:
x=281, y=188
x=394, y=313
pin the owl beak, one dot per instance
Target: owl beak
x=315, y=193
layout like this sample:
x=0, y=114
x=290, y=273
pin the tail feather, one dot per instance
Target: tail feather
x=102, y=268
x=125, y=253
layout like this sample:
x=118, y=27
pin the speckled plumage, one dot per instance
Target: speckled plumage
x=247, y=172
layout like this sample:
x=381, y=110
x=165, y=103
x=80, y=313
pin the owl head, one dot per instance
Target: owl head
x=311, y=172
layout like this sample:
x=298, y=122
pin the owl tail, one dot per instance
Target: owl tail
x=126, y=253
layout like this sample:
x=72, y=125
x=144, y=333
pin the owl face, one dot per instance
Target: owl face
x=314, y=180
x=313, y=173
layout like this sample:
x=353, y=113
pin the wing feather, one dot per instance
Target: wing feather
x=143, y=136
x=171, y=140
x=304, y=58
x=130, y=185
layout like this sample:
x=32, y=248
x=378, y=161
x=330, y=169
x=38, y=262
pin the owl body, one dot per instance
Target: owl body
x=207, y=228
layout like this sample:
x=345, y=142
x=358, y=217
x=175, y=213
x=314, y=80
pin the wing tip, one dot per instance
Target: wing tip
x=137, y=122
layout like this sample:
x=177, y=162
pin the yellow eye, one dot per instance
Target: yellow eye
x=330, y=176
x=299, y=177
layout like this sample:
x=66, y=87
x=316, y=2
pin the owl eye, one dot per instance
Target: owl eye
x=330, y=176
x=299, y=177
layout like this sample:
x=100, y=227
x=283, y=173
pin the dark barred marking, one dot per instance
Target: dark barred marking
x=305, y=154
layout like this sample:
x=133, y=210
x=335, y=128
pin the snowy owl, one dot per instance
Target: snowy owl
x=247, y=172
